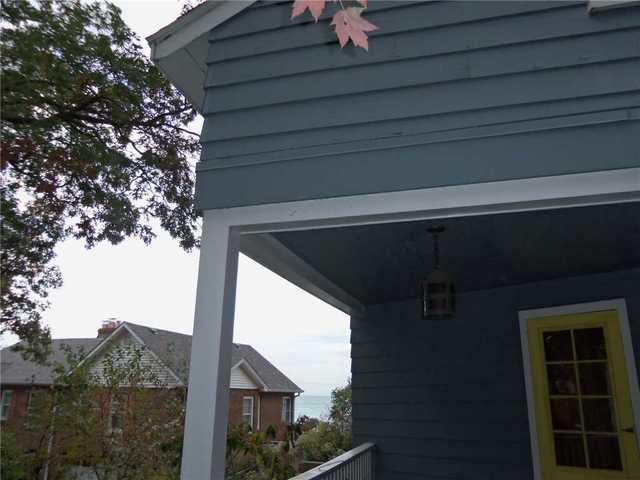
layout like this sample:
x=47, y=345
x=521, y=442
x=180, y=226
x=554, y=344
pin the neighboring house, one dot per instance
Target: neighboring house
x=261, y=395
x=515, y=125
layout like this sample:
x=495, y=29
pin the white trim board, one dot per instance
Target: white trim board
x=620, y=306
x=580, y=189
x=197, y=22
x=173, y=47
x=575, y=190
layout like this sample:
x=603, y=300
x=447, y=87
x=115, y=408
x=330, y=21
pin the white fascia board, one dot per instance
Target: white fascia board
x=174, y=47
x=536, y=193
x=102, y=345
x=187, y=28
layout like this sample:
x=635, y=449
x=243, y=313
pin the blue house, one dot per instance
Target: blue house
x=468, y=191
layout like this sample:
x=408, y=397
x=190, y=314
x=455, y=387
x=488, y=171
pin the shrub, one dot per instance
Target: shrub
x=12, y=461
x=322, y=443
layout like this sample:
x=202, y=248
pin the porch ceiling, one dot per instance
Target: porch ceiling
x=386, y=262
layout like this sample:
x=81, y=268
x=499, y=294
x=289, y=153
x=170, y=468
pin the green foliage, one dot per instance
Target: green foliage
x=322, y=441
x=118, y=421
x=254, y=456
x=95, y=146
x=12, y=458
x=340, y=411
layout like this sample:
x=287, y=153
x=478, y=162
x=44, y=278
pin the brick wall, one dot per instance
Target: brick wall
x=270, y=405
x=235, y=406
x=19, y=402
x=272, y=412
x=17, y=416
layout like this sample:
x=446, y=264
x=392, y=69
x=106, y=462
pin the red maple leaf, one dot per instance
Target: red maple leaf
x=349, y=24
x=316, y=7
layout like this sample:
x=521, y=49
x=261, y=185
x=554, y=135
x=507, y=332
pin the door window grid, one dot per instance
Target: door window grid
x=581, y=430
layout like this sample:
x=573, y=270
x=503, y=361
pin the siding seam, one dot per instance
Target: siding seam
x=205, y=167
x=391, y=33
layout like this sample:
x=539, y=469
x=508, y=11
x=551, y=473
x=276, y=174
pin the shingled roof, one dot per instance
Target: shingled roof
x=15, y=370
x=173, y=349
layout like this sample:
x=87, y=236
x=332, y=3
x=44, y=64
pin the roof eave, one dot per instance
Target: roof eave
x=180, y=49
x=283, y=391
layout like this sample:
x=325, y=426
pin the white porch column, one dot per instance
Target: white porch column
x=203, y=453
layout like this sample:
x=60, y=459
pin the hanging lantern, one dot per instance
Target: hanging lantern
x=438, y=290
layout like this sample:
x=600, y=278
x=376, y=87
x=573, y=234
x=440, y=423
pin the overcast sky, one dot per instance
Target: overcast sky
x=155, y=285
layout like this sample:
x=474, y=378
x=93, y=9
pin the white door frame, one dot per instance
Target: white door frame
x=524, y=316
x=225, y=231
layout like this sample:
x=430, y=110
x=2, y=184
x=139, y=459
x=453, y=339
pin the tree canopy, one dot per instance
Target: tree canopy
x=95, y=146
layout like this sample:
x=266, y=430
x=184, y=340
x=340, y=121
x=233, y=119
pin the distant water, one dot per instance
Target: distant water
x=315, y=406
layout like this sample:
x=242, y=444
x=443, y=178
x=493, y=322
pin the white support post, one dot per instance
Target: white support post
x=203, y=453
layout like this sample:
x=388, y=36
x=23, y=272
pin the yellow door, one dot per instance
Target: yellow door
x=583, y=407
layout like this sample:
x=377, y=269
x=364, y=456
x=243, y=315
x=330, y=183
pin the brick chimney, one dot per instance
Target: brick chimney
x=108, y=326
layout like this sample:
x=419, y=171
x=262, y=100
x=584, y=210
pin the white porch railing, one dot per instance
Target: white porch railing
x=356, y=464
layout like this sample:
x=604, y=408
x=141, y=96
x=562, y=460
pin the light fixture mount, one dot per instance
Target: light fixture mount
x=438, y=290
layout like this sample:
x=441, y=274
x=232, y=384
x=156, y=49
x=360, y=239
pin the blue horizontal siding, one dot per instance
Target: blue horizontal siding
x=446, y=399
x=398, y=17
x=435, y=99
x=291, y=144
x=550, y=24
x=443, y=98
x=551, y=152
x=503, y=60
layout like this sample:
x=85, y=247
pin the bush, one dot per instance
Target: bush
x=322, y=443
x=255, y=455
x=12, y=458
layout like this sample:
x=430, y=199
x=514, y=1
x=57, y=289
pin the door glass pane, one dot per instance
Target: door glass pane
x=598, y=415
x=604, y=452
x=590, y=344
x=562, y=379
x=557, y=346
x=569, y=450
x=583, y=419
x=594, y=379
x=565, y=414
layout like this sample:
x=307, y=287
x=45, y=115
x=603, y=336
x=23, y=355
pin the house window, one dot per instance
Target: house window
x=31, y=407
x=115, y=415
x=6, y=404
x=287, y=411
x=247, y=411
